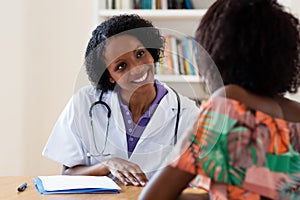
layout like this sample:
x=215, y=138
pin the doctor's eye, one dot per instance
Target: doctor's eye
x=120, y=66
x=140, y=53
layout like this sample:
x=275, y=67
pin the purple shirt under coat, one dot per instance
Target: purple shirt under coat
x=134, y=132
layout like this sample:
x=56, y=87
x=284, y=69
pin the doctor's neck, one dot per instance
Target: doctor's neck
x=138, y=102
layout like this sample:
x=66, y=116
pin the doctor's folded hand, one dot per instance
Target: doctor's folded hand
x=126, y=172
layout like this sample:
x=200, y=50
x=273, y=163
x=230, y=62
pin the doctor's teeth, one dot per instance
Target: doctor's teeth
x=141, y=79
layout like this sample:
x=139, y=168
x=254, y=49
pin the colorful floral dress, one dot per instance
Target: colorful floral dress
x=241, y=153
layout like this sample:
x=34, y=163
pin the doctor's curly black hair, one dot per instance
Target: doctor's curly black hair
x=254, y=44
x=133, y=25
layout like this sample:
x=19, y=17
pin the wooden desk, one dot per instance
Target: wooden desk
x=9, y=184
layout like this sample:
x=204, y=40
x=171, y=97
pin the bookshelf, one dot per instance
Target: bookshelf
x=171, y=14
x=170, y=21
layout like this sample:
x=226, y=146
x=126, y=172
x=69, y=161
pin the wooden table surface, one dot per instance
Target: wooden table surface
x=9, y=185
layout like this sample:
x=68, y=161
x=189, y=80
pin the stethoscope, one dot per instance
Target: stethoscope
x=101, y=153
x=89, y=155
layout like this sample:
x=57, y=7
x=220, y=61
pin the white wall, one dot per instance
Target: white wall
x=42, y=48
x=11, y=86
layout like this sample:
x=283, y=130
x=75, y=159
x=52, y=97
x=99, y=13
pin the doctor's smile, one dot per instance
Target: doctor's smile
x=142, y=79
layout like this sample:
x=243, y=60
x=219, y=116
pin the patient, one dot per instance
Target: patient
x=246, y=142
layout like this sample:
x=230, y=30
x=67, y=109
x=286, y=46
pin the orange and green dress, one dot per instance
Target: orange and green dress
x=241, y=153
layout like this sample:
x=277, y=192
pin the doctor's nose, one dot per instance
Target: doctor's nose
x=137, y=71
x=135, y=68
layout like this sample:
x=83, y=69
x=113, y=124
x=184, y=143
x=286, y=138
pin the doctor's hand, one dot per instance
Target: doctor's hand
x=127, y=172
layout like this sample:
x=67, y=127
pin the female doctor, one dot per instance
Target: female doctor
x=126, y=123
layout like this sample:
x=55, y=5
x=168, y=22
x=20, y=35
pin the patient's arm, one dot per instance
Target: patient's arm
x=168, y=184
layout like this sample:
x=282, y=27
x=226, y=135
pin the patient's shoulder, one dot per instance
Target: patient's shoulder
x=291, y=109
x=278, y=107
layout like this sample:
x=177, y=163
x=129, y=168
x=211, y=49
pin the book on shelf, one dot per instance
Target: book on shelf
x=109, y=4
x=168, y=58
x=188, y=4
x=192, y=58
x=136, y=4
x=187, y=55
x=160, y=64
x=174, y=53
x=127, y=4
x=175, y=4
x=146, y=4
x=191, y=54
x=154, y=4
x=195, y=54
x=179, y=56
x=164, y=4
x=170, y=4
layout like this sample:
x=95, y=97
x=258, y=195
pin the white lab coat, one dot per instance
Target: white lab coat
x=72, y=137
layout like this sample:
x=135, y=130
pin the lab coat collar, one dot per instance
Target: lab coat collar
x=165, y=112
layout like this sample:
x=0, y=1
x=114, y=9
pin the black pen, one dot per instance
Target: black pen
x=22, y=187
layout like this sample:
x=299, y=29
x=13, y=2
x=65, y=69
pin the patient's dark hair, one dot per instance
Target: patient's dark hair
x=133, y=25
x=254, y=44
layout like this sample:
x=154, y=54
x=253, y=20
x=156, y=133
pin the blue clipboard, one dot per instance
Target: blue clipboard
x=40, y=188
